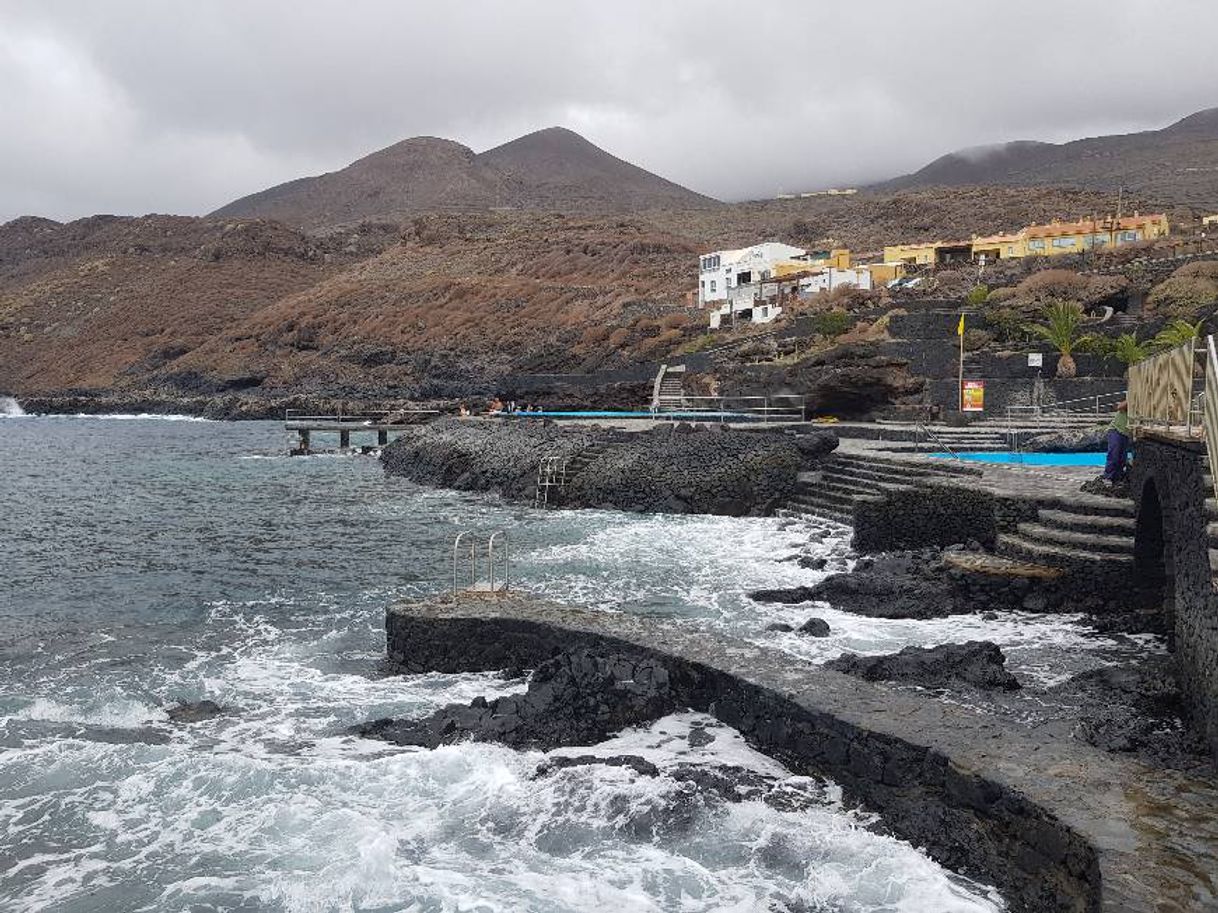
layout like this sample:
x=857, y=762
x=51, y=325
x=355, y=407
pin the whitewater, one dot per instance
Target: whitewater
x=151, y=562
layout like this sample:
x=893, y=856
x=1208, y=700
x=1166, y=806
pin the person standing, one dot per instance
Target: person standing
x=1118, y=444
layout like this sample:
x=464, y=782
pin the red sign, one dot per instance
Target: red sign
x=972, y=396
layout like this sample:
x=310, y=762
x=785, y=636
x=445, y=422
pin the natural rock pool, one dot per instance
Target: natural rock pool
x=151, y=561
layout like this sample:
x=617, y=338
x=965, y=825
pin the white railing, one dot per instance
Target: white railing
x=766, y=409
x=1209, y=412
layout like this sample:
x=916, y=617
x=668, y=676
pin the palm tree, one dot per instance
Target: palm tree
x=1127, y=349
x=1177, y=333
x=1060, y=330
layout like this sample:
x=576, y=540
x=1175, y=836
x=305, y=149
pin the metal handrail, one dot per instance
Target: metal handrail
x=921, y=426
x=772, y=406
x=456, y=545
x=496, y=536
x=490, y=559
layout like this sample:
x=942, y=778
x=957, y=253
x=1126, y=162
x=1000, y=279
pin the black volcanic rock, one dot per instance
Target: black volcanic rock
x=978, y=662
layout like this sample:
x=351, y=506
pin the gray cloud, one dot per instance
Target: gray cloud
x=138, y=106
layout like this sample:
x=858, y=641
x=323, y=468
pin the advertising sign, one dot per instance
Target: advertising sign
x=972, y=396
x=1036, y=360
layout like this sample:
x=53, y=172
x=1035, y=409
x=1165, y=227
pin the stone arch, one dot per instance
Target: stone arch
x=1153, y=549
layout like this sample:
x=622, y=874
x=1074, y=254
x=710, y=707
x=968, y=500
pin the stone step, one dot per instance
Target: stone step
x=1081, y=541
x=1104, y=524
x=906, y=465
x=835, y=499
x=1013, y=545
x=832, y=482
x=816, y=514
x=865, y=479
x=1086, y=505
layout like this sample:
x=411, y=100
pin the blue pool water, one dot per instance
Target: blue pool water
x=1029, y=459
x=606, y=413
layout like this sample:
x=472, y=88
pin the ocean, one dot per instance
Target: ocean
x=152, y=560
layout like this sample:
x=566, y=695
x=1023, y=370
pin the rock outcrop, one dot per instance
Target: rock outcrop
x=979, y=663
x=673, y=469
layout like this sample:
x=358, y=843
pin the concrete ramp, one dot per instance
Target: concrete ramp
x=1054, y=823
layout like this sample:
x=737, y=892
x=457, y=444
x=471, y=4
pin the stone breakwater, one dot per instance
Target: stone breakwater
x=674, y=469
x=1056, y=824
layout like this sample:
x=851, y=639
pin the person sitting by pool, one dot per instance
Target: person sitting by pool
x=463, y=411
x=496, y=406
x=1118, y=444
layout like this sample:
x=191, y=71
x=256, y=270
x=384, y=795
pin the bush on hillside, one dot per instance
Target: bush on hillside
x=978, y=294
x=1059, y=284
x=1183, y=296
x=1198, y=269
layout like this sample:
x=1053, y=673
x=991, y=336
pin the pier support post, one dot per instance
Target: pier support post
x=382, y=438
x=304, y=439
x=344, y=439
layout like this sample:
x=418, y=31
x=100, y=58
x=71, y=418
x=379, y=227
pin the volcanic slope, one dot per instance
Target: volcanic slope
x=553, y=169
x=1177, y=164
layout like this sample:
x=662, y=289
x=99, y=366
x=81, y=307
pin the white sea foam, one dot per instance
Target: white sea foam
x=10, y=408
x=138, y=416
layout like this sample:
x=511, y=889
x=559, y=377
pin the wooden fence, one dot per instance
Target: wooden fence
x=1161, y=392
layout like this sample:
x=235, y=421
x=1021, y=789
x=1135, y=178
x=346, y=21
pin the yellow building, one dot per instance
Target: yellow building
x=930, y=253
x=1075, y=237
x=1210, y=220
x=911, y=254
x=999, y=247
x=838, y=258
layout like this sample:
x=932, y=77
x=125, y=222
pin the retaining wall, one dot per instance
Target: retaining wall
x=1171, y=543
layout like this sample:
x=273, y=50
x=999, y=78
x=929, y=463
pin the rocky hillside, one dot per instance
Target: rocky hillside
x=165, y=307
x=553, y=170
x=1178, y=164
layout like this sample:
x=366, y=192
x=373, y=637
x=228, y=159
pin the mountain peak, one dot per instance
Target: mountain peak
x=550, y=169
x=1133, y=161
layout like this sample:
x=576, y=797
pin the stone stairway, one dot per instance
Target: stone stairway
x=829, y=491
x=1084, y=531
x=967, y=438
x=672, y=393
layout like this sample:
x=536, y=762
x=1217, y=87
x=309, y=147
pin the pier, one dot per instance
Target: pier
x=1057, y=825
x=382, y=424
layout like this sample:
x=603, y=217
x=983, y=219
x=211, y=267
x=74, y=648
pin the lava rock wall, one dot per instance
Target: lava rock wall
x=673, y=469
x=917, y=517
x=1171, y=543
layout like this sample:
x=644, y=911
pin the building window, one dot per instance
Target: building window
x=1063, y=242
x=1129, y=236
x=713, y=289
x=1036, y=244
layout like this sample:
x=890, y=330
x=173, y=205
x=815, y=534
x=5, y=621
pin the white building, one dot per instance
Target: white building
x=723, y=270
x=759, y=301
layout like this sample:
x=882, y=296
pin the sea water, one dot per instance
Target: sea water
x=149, y=561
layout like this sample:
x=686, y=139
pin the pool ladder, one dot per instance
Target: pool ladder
x=486, y=570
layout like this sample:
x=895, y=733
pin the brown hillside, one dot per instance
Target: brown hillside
x=87, y=303
x=444, y=303
x=553, y=169
x=1178, y=164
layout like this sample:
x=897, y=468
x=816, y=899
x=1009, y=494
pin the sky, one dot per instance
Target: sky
x=136, y=106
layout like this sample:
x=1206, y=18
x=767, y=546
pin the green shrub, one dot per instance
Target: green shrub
x=978, y=294
x=831, y=324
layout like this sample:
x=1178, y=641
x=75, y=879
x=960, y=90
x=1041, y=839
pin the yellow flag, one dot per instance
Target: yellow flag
x=960, y=328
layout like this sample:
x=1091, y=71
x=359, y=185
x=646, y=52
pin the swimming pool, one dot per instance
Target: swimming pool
x=1029, y=459
x=692, y=415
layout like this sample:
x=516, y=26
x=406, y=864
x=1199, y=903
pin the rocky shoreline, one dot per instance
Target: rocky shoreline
x=679, y=468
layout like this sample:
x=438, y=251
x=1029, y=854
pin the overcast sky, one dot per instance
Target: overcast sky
x=134, y=106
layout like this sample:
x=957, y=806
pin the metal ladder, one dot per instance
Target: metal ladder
x=486, y=568
x=551, y=476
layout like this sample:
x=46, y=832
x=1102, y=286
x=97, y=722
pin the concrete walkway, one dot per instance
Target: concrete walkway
x=1056, y=824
